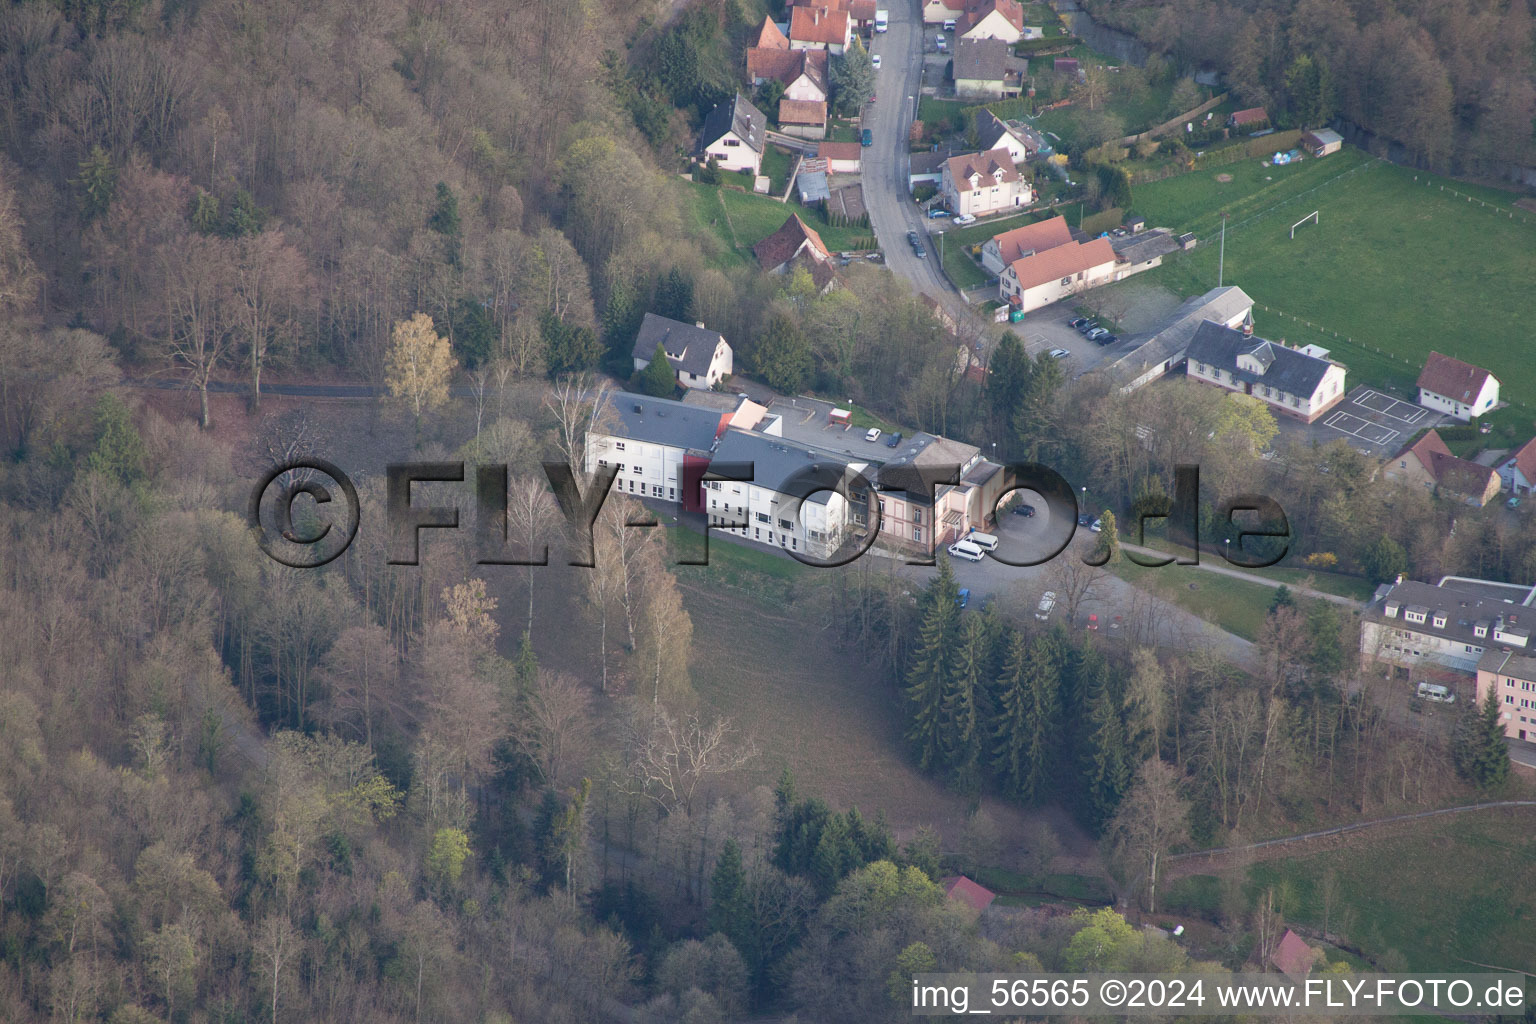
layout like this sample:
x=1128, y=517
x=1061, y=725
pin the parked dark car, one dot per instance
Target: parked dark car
x=1087, y=327
x=1077, y=322
x=1024, y=510
x=893, y=441
x=868, y=138
x=922, y=253
x=1107, y=339
x=911, y=237
x=1084, y=519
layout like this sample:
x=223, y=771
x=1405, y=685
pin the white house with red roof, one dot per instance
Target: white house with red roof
x=1000, y=250
x=1518, y=472
x=1042, y=278
x=1458, y=389
x=992, y=19
x=984, y=183
x=820, y=28
x=936, y=12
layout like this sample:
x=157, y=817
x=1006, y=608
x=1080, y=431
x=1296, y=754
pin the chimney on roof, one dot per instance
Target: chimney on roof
x=1398, y=580
x=1247, y=328
x=699, y=324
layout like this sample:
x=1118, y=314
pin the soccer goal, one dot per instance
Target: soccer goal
x=1309, y=217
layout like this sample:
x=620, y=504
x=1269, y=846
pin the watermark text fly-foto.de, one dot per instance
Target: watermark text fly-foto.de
x=327, y=531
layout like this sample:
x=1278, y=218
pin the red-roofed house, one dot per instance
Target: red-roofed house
x=1430, y=464
x=1456, y=388
x=1050, y=276
x=984, y=183
x=1253, y=117
x=963, y=890
x=803, y=72
x=992, y=19
x=819, y=28
x=794, y=238
x=1293, y=957
x=1000, y=250
x=804, y=118
x=769, y=36
x=936, y=12
x=841, y=157
x=1518, y=472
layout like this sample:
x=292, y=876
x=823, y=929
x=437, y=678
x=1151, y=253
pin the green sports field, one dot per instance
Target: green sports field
x=1398, y=264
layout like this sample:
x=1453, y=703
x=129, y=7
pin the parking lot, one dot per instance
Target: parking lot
x=1373, y=421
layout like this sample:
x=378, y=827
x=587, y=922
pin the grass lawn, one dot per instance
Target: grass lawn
x=777, y=163
x=1396, y=267
x=1237, y=606
x=932, y=111
x=1438, y=892
x=739, y=220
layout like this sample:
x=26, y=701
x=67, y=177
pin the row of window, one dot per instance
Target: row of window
x=1525, y=702
x=1524, y=685
x=783, y=540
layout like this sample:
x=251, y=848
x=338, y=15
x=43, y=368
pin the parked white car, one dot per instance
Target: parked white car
x=965, y=218
x=873, y=434
x=1047, y=604
x=874, y=62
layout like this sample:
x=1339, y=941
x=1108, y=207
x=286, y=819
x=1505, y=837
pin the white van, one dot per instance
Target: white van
x=1047, y=603
x=1437, y=693
x=966, y=550
x=882, y=20
x=985, y=541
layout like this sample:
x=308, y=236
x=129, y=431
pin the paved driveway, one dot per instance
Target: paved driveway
x=1371, y=420
x=1015, y=592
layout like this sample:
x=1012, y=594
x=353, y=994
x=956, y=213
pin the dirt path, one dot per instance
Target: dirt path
x=1182, y=864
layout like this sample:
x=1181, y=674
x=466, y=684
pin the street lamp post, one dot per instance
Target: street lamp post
x=941, y=247
x=1228, y=542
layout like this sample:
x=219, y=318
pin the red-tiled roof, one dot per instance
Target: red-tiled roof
x=775, y=250
x=770, y=37
x=990, y=168
x=1452, y=378
x=1062, y=261
x=1046, y=234
x=1458, y=476
x=1011, y=10
x=811, y=112
x=1293, y=956
x=1253, y=115
x=840, y=151
x=1525, y=460
x=963, y=890
x=818, y=25
x=787, y=65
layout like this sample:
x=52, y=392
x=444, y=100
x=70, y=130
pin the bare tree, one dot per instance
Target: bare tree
x=668, y=759
x=534, y=517
x=1153, y=818
x=553, y=726
x=277, y=944
x=578, y=406
x=1075, y=582
x=198, y=300
x=269, y=283
x=667, y=634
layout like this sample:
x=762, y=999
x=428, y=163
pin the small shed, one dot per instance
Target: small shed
x=1322, y=142
x=840, y=418
x=813, y=186
x=1253, y=117
x=1135, y=222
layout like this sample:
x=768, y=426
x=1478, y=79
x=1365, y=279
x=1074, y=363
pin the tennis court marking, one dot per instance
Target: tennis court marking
x=1367, y=399
x=1348, y=423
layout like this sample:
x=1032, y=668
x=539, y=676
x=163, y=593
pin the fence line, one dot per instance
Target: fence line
x=1474, y=199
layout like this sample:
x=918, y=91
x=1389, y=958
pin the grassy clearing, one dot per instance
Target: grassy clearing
x=810, y=706
x=1138, y=110
x=1426, y=269
x=1234, y=605
x=1439, y=893
x=739, y=220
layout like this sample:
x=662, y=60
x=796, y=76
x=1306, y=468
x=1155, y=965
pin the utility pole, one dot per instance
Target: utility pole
x=1221, y=258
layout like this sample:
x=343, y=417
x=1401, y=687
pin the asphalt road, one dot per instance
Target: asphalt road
x=892, y=213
